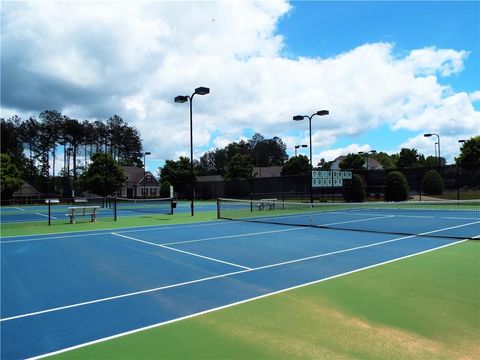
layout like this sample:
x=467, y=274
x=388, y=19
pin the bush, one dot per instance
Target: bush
x=432, y=183
x=396, y=187
x=165, y=189
x=355, y=192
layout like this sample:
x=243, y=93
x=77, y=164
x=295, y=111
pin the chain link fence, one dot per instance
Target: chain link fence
x=460, y=182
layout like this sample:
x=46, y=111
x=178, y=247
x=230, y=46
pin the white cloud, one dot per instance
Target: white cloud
x=332, y=154
x=93, y=60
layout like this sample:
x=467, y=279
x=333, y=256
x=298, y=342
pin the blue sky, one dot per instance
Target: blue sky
x=387, y=71
x=326, y=29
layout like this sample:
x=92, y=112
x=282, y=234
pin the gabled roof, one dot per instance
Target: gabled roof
x=135, y=175
x=26, y=190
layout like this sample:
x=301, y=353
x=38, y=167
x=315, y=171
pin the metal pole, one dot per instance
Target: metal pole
x=311, y=167
x=144, y=173
x=115, y=213
x=191, y=156
x=439, y=156
x=458, y=183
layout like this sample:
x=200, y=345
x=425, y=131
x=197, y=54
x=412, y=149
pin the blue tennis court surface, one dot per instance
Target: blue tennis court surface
x=63, y=290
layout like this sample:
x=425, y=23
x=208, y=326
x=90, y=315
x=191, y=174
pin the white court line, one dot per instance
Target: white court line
x=238, y=303
x=235, y=236
x=20, y=209
x=53, y=217
x=182, y=251
x=211, y=277
x=265, y=232
x=355, y=221
x=411, y=216
x=107, y=231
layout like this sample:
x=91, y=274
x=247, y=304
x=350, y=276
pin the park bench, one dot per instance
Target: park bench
x=265, y=204
x=75, y=211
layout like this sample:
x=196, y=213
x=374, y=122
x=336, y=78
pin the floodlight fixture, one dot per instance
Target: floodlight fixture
x=202, y=90
x=181, y=99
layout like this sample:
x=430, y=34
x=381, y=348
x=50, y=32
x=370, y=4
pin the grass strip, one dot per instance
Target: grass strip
x=426, y=306
x=83, y=224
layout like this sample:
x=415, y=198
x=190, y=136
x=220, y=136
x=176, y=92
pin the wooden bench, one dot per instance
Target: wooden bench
x=74, y=211
x=265, y=204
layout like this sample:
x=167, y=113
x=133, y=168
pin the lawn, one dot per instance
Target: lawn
x=426, y=306
x=60, y=226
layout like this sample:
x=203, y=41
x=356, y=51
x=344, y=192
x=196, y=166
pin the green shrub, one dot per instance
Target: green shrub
x=355, y=192
x=396, y=187
x=432, y=183
x=165, y=189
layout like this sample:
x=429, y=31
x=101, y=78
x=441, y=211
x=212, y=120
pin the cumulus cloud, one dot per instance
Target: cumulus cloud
x=332, y=154
x=93, y=60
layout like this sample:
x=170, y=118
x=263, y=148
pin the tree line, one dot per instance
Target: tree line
x=234, y=161
x=238, y=159
x=32, y=146
x=410, y=158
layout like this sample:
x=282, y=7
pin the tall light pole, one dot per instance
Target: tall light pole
x=462, y=141
x=438, y=138
x=302, y=117
x=181, y=99
x=299, y=146
x=70, y=187
x=367, y=154
x=145, y=171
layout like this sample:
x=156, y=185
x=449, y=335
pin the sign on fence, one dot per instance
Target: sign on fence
x=332, y=178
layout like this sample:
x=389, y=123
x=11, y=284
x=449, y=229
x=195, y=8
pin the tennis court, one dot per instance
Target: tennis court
x=64, y=290
x=29, y=213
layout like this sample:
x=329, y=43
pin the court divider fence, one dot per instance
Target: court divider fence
x=460, y=183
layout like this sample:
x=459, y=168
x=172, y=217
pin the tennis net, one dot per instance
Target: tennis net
x=446, y=219
x=152, y=206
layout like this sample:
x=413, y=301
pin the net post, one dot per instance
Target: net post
x=251, y=202
x=333, y=189
x=458, y=183
x=218, y=208
x=49, y=213
x=115, y=215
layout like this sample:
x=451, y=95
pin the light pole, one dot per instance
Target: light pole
x=462, y=141
x=299, y=146
x=302, y=117
x=69, y=154
x=367, y=154
x=145, y=171
x=438, y=138
x=181, y=99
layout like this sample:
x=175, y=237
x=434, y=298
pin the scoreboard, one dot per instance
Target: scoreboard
x=332, y=178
